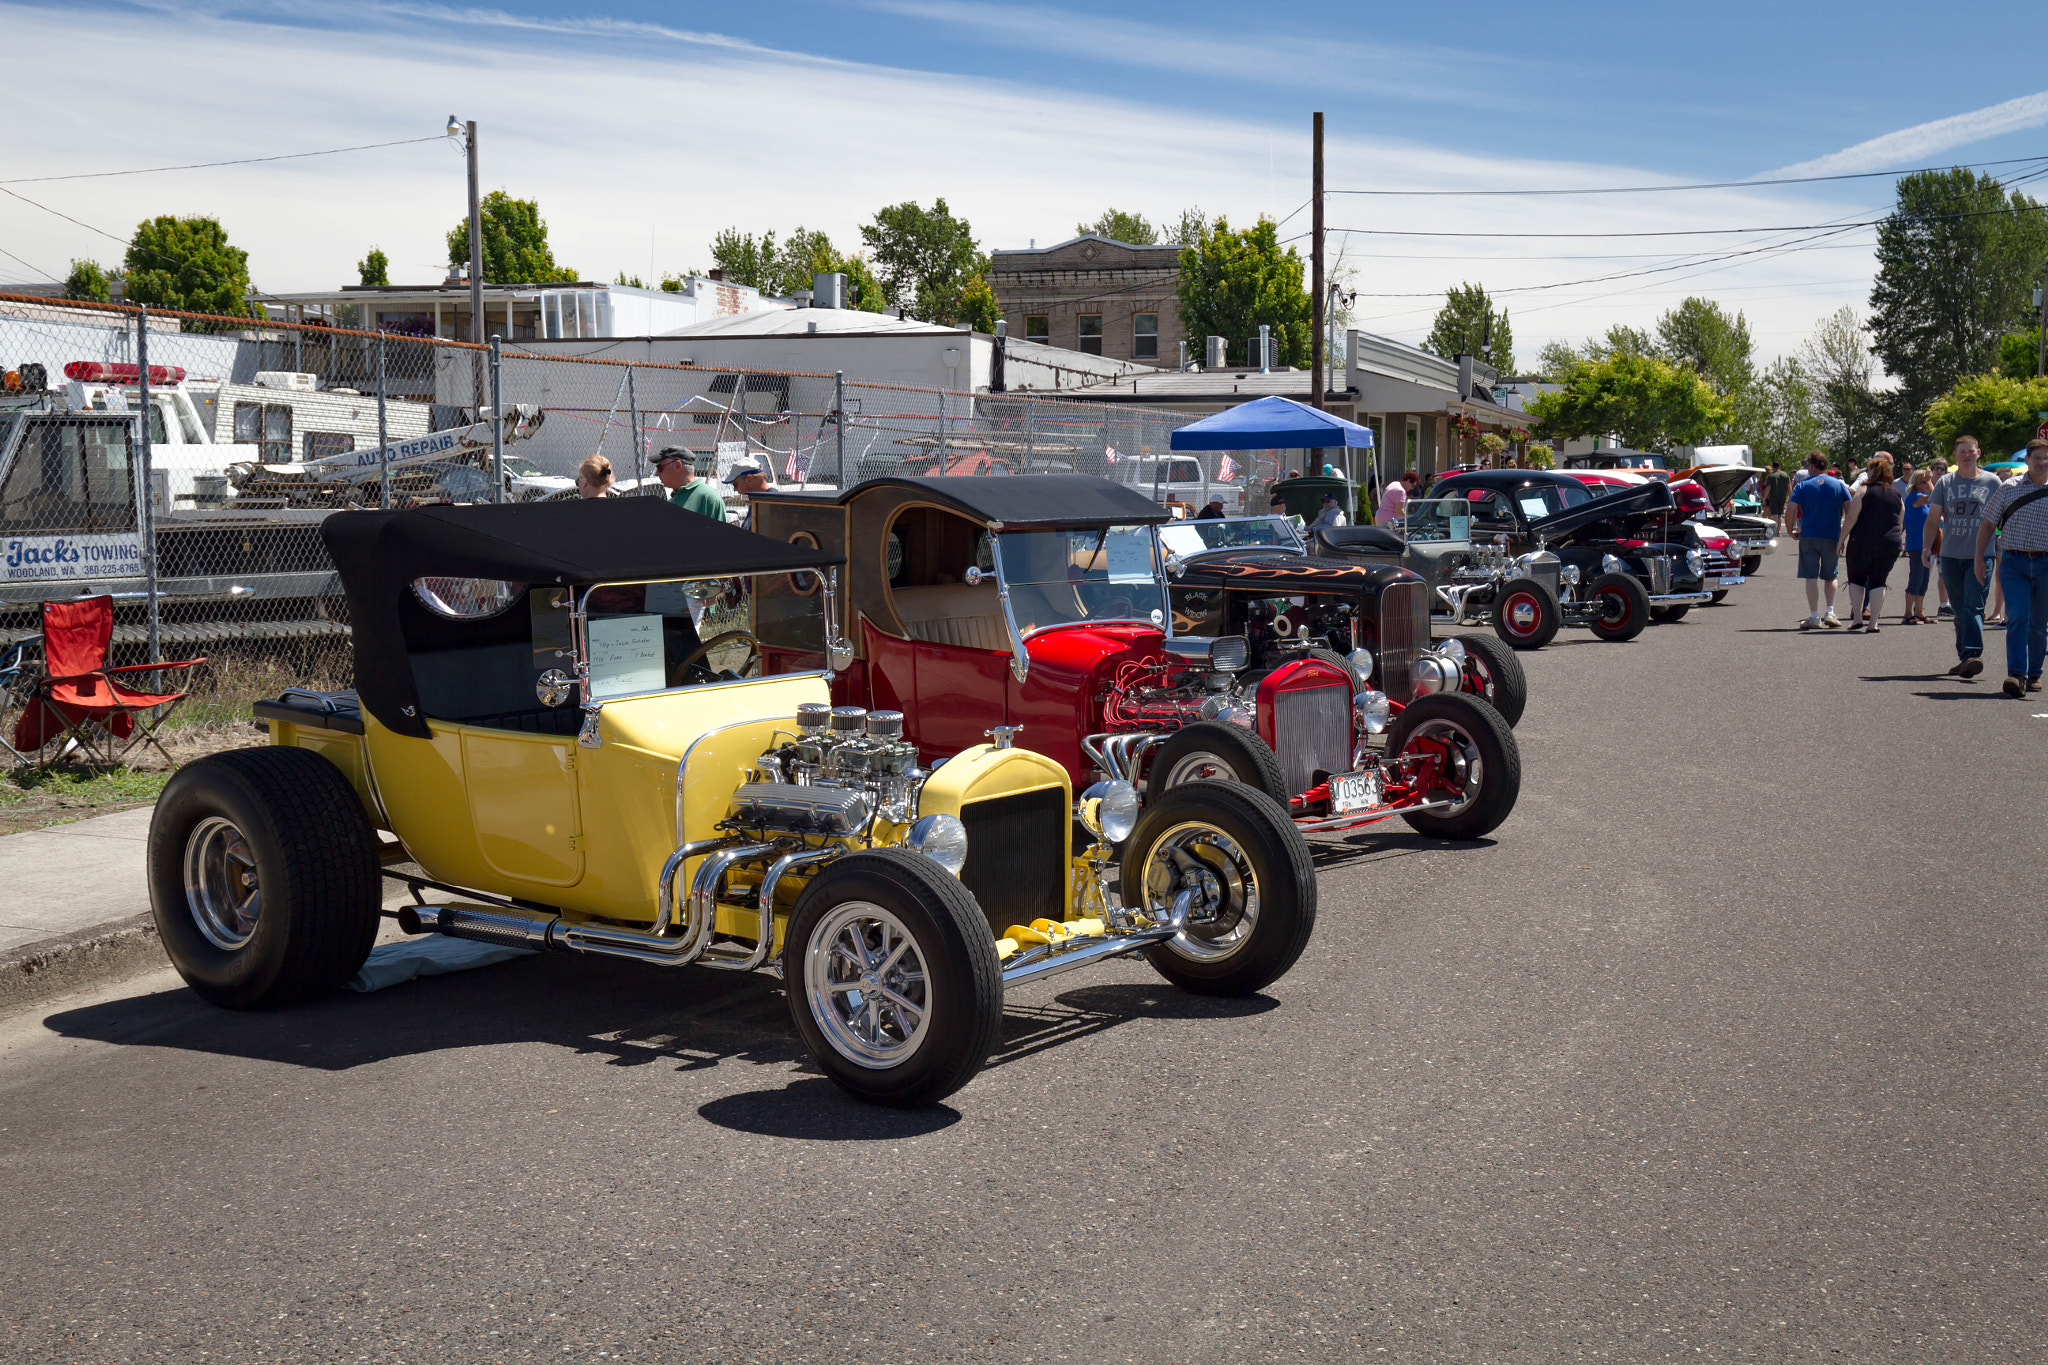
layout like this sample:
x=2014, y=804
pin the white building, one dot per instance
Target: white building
x=525, y=312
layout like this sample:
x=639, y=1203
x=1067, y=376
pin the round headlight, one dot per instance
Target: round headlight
x=1361, y=663
x=1109, y=811
x=1454, y=650
x=1609, y=564
x=1370, y=712
x=1695, y=561
x=943, y=839
x=1569, y=575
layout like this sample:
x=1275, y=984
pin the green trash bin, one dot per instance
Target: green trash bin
x=1304, y=496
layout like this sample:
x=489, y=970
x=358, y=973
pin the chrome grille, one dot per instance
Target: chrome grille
x=1404, y=626
x=1016, y=856
x=1312, y=730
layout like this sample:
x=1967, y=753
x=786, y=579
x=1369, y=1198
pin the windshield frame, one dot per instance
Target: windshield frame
x=579, y=635
x=1020, y=661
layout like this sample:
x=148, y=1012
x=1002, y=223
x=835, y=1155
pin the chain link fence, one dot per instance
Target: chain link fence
x=207, y=535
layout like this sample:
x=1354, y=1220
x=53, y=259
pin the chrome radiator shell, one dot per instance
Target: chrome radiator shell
x=1404, y=631
x=1311, y=732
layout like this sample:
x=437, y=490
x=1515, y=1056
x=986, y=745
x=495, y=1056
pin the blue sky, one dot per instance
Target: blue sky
x=643, y=128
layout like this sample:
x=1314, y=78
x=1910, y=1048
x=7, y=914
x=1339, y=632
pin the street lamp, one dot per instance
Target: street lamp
x=463, y=135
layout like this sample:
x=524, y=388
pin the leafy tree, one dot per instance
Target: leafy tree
x=1119, y=226
x=1231, y=281
x=1700, y=334
x=743, y=259
x=864, y=293
x=2019, y=353
x=1789, y=419
x=978, y=307
x=1998, y=411
x=783, y=268
x=1189, y=227
x=1956, y=259
x=187, y=264
x=1855, y=415
x=925, y=257
x=88, y=280
x=1558, y=358
x=375, y=268
x=630, y=281
x=1649, y=403
x=515, y=243
x=1461, y=329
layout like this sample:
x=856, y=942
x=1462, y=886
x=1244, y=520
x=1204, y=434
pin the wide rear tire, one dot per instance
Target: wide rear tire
x=1623, y=606
x=1526, y=614
x=915, y=1017
x=1493, y=674
x=1482, y=759
x=1254, y=906
x=263, y=877
x=1209, y=751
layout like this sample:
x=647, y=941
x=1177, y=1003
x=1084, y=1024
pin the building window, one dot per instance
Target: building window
x=1145, y=336
x=248, y=423
x=277, y=433
x=1090, y=328
x=324, y=443
x=1037, y=327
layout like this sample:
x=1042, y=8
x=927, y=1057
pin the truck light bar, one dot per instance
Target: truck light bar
x=99, y=372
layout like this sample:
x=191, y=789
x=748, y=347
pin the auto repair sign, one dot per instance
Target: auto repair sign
x=25, y=559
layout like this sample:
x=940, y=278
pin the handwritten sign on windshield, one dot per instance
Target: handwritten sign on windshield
x=625, y=655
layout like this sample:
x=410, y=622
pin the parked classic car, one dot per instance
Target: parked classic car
x=1754, y=534
x=565, y=719
x=1042, y=602
x=1722, y=563
x=1255, y=577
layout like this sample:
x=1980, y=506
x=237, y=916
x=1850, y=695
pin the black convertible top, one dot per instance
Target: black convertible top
x=595, y=540
x=1020, y=499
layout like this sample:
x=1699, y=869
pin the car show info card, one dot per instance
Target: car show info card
x=625, y=655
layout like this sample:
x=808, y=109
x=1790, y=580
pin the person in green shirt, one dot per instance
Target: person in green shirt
x=677, y=471
x=1777, y=489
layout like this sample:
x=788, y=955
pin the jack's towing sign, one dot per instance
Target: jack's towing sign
x=24, y=559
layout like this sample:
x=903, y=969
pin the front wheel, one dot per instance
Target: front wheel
x=1493, y=672
x=1525, y=614
x=1622, y=608
x=1719, y=596
x=1478, y=767
x=1667, y=615
x=1210, y=750
x=1244, y=870
x=1752, y=566
x=892, y=977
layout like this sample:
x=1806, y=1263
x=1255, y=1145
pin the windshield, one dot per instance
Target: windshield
x=522, y=467
x=1102, y=573
x=1228, y=533
x=650, y=637
x=1436, y=519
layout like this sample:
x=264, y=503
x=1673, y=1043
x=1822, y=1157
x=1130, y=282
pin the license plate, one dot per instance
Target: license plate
x=1731, y=580
x=1354, y=791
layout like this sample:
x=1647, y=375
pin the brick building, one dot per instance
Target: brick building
x=1094, y=295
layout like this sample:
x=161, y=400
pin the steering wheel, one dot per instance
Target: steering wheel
x=696, y=657
x=1113, y=609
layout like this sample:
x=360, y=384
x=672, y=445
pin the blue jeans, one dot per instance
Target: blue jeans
x=1966, y=596
x=1916, y=575
x=2025, y=581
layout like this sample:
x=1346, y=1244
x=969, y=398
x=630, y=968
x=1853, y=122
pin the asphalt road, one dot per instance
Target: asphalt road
x=1727, y=1047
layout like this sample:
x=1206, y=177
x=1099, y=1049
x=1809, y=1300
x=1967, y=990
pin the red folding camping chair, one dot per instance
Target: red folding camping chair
x=78, y=703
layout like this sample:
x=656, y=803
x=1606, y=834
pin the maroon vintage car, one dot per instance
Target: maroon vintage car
x=1041, y=602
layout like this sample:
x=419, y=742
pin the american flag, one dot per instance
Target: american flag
x=1227, y=470
x=795, y=469
x=1110, y=451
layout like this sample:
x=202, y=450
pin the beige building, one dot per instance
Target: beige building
x=1093, y=295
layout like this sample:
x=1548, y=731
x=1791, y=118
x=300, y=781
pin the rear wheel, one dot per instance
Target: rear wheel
x=1669, y=614
x=1493, y=672
x=1753, y=565
x=1479, y=765
x=1244, y=869
x=1623, y=607
x=1525, y=614
x=1209, y=751
x=892, y=977
x=263, y=877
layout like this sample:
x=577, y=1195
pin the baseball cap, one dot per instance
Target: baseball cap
x=742, y=468
x=672, y=453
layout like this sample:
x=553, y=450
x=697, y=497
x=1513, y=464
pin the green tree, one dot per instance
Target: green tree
x=1700, y=333
x=1856, y=417
x=630, y=281
x=1956, y=258
x=88, y=280
x=1189, y=228
x=187, y=264
x=1999, y=412
x=978, y=307
x=1649, y=403
x=515, y=243
x=1462, y=328
x=1790, y=416
x=1119, y=226
x=375, y=268
x=2019, y=353
x=744, y=259
x=1231, y=282
x=925, y=257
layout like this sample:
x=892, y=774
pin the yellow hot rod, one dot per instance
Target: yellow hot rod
x=561, y=718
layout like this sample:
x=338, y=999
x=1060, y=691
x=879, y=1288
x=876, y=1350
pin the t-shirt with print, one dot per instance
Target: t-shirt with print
x=1820, y=500
x=1961, y=502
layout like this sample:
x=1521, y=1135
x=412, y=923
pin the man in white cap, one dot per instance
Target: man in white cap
x=748, y=478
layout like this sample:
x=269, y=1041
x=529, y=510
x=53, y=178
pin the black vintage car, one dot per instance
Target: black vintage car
x=1528, y=551
x=1255, y=577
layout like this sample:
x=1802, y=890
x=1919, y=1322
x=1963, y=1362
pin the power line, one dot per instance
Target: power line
x=38, y=269
x=175, y=261
x=1711, y=185
x=209, y=165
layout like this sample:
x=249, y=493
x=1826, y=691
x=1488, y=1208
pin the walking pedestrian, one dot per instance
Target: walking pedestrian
x=1953, y=512
x=677, y=470
x=1932, y=541
x=1814, y=516
x=2018, y=514
x=1994, y=608
x=1915, y=522
x=1872, y=536
x=1777, y=488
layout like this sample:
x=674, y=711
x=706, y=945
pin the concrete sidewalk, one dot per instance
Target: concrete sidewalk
x=67, y=878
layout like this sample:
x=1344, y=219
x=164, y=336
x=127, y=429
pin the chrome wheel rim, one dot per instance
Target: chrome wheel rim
x=220, y=884
x=1197, y=766
x=1462, y=764
x=1224, y=910
x=867, y=984
x=1522, y=614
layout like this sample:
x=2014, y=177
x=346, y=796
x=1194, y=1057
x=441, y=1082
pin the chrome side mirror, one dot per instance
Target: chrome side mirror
x=839, y=653
x=554, y=688
x=975, y=577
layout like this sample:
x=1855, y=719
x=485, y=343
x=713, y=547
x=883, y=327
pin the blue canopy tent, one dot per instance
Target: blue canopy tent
x=1272, y=423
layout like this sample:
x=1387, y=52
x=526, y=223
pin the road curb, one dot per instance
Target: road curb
x=79, y=961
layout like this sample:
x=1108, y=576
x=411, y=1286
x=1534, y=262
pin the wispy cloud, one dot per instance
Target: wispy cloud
x=1262, y=55
x=1909, y=146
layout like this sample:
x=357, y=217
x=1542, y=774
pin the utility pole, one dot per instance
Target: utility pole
x=465, y=133
x=2041, y=340
x=1315, y=256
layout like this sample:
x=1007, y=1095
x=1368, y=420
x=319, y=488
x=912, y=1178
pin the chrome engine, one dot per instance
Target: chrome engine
x=1144, y=696
x=845, y=766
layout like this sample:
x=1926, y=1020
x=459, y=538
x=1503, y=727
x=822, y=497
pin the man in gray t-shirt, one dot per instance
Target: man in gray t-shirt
x=1954, y=510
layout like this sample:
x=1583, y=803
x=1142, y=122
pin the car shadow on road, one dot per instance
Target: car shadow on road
x=815, y=1110
x=1379, y=844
